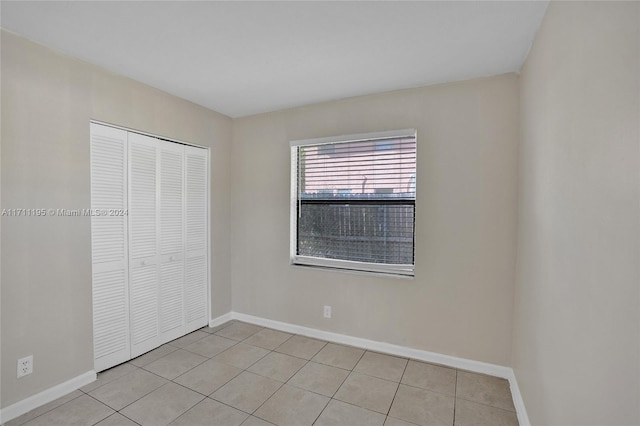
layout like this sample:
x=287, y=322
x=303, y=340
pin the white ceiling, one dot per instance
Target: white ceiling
x=243, y=58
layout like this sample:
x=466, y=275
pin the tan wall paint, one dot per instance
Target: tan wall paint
x=576, y=332
x=460, y=302
x=47, y=102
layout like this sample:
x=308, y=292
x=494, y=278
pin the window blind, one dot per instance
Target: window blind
x=353, y=206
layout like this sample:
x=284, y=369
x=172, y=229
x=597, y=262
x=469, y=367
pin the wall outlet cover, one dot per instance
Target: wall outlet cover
x=327, y=311
x=25, y=366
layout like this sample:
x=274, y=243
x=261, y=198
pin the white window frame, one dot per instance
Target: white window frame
x=402, y=270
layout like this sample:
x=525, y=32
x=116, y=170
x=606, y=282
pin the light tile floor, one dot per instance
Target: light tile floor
x=242, y=374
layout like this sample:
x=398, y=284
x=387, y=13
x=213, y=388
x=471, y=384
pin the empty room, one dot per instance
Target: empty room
x=320, y=213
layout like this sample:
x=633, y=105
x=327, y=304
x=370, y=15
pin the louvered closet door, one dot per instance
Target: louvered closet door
x=196, y=214
x=171, y=315
x=109, y=247
x=143, y=243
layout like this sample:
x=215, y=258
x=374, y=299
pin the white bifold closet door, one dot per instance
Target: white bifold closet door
x=156, y=239
x=143, y=243
x=196, y=246
x=166, y=243
x=109, y=247
x=171, y=227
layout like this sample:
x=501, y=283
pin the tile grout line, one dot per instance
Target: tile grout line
x=170, y=380
x=226, y=405
x=102, y=403
x=321, y=411
x=363, y=408
x=425, y=389
x=242, y=371
x=186, y=371
x=265, y=401
x=487, y=405
x=185, y=411
x=292, y=376
x=119, y=413
x=210, y=335
x=246, y=370
x=455, y=397
x=195, y=366
x=284, y=383
x=274, y=349
x=153, y=390
x=347, y=376
x=136, y=400
x=398, y=387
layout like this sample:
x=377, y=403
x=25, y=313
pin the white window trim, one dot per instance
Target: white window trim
x=391, y=134
x=339, y=264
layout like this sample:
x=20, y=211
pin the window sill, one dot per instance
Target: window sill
x=381, y=274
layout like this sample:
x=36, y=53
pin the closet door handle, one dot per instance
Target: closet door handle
x=143, y=263
x=172, y=258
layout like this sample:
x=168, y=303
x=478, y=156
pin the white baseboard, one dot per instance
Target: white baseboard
x=518, y=402
x=391, y=349
x=221, y=319
x=46, y=396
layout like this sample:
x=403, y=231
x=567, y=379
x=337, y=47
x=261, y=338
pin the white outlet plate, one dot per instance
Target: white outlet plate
x=327, y=311
x=25, y=366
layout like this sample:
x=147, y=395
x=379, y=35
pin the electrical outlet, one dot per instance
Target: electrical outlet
x=25, y=366
x=327, y=311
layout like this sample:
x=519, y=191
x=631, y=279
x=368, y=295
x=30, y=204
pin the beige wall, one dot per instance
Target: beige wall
x=576, y=332
x=460, y=302
x=47, y=102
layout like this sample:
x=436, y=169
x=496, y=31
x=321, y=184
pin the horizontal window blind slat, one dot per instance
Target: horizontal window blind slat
x=369, y=168
x=351, y=158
